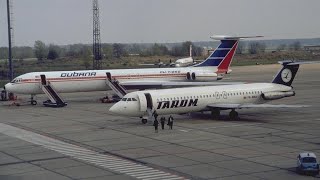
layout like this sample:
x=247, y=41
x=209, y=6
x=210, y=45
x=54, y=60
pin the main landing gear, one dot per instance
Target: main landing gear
x=215, y=113
x=233, y=115
x=32, y=101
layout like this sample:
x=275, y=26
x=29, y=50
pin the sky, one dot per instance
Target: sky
x=64, y=22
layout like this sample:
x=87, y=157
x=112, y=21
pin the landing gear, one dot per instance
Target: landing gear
x=32, y=101
x=144, y=121
x=234, y=115
x=215, y=113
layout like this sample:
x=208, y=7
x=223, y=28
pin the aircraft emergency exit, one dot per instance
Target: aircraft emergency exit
x=211, y=98
x=212, y=69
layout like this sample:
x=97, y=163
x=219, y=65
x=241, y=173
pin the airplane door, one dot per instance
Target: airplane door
x=109, y=76
x=149, y=100
x=43, y=79
x=143, y=102
x=224, y=93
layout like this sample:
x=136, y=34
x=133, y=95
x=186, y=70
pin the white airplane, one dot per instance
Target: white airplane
x=55, y=82
x=183, y=62
x=210, y=98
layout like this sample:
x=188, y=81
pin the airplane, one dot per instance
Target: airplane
x=144, y=104
x=54, y=82
x=182, y=62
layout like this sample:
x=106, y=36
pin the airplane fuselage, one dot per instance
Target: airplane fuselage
x=194, y=99
x=95, y=80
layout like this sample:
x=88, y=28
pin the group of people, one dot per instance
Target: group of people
x=162, y=122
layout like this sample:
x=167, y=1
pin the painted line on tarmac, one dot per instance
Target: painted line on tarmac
x=113, y=163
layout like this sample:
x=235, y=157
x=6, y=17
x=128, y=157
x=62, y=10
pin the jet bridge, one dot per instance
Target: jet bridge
x=115, y=85
x=54, y=99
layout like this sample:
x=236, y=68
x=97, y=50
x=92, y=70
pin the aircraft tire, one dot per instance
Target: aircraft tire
x=234, y=115
x=144, y=121
x=33, y=102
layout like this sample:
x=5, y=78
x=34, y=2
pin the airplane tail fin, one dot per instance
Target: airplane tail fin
x=288, y=71
x=222, y=56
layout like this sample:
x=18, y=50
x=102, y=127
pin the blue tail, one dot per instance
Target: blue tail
x=287, y=73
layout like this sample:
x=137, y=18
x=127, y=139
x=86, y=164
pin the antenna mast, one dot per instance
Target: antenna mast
x=96, y=37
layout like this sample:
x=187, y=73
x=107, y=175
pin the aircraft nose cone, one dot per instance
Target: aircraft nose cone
x=7, y=87
x=115, y=109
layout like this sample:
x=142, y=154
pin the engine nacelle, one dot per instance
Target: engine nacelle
x=199, y=76
x=277, y=95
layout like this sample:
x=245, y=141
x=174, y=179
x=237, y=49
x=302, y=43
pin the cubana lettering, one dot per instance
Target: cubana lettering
x=177, y=103
x=78, y=74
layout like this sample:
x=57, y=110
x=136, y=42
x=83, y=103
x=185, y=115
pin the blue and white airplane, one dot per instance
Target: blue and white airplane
x=205, y=73
x=210, y=98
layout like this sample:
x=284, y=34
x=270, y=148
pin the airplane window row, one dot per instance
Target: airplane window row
x=128, y=99
x=209, y=96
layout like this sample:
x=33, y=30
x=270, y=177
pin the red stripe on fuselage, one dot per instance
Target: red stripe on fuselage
x=63, y=79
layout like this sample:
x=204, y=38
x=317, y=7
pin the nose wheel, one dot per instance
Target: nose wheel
x=234, y=115
x=32, y=101
x=144, y=121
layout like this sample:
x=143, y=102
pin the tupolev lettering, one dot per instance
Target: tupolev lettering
x=78, y=74
x=177, y=103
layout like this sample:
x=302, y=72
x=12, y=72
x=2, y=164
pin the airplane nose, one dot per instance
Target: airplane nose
x=7, y=87
x=115, y=109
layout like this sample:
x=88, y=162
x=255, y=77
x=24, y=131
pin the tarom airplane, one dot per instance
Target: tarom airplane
x=210, y=98
x=55, y=82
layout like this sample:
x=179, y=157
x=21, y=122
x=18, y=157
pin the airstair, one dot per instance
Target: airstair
x=115, y=86
x=54, y=99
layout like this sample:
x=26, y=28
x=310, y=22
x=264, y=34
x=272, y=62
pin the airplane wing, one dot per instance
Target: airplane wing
x=240, y=106
x=166, y=84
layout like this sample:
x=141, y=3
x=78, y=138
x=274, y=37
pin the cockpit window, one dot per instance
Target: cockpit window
x=16, y=80
x=134, y=99
x=123, y=99
x=129, y=99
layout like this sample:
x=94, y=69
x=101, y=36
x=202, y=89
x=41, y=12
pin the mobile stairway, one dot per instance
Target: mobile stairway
x=115, y=86
x=54, y=99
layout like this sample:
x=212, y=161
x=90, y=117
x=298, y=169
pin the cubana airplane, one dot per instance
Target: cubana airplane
x=55, y=82
x=210, y=98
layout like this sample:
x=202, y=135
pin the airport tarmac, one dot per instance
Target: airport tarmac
x=85, y=141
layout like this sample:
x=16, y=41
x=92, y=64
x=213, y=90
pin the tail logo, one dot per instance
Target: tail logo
x=286, y=75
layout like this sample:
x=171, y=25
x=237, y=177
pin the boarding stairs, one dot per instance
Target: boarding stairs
x=115, y=86
x=55, y=99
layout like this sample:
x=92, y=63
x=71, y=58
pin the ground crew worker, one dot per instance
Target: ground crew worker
x=170, y=121
x=155, y=115
x=155, y=124
x=162, y=121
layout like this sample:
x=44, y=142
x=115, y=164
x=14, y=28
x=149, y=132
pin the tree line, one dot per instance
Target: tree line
x=41, y=51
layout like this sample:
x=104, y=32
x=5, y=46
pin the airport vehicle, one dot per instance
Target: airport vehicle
x=307, y=163
x=55, y=82
x=210, y=98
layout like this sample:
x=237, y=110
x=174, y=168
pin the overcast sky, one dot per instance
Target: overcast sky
x=135, y=21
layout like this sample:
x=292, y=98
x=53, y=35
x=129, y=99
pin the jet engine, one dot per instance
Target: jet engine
x=199, y=76
x=277, y=95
